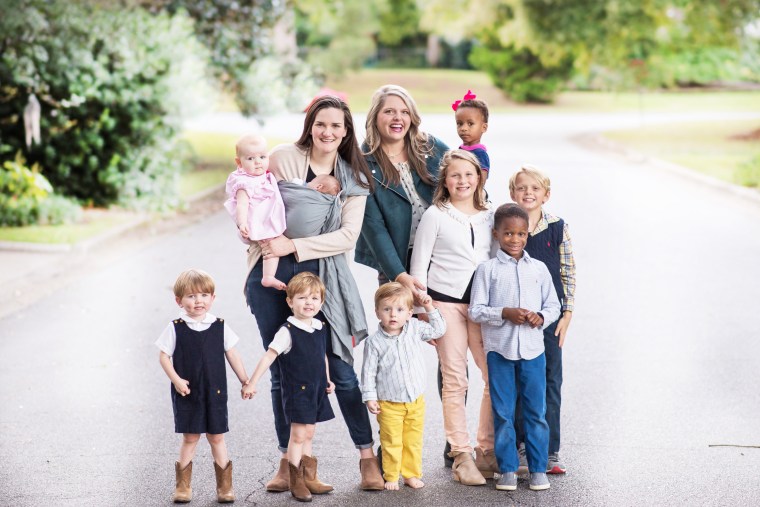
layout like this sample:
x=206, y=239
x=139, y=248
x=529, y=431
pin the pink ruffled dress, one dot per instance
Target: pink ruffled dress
x=266, y=211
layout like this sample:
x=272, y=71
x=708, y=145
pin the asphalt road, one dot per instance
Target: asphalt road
x=661, y=363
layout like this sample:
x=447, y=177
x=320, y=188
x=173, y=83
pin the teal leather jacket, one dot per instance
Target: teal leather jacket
x=384, y=241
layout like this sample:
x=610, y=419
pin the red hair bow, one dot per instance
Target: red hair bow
x=467, y=96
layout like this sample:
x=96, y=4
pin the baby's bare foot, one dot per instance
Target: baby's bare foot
x=414, y=482
x=391, y=486
x=270, y=281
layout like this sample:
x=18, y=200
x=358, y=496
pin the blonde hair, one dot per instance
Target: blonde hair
x=417, y=143
x=442, y=196
x=305, y=282
x=193, y=280
x=535, y=173
x=248, y=140
x=394, y=291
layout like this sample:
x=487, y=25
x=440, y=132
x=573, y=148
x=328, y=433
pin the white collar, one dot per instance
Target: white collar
x=316, y=324
x=208, y=319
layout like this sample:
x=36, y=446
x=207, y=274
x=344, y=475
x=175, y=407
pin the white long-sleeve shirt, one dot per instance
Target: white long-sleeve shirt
x=394, y=367
x=449, y=246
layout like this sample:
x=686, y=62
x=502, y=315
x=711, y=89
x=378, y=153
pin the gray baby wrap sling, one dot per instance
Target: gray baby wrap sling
x=310, y=213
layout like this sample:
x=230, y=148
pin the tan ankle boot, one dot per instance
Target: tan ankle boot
x=183, y=491
x=486, y=462
x=280, y=482
x=372, y=479
x=297, y=485
x=464, y=470
x=316, y=487
x=224, y=492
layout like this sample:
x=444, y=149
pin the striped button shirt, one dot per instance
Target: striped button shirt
x=394, y=367
x=503, y=282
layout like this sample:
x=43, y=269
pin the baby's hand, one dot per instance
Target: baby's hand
x=330, y=387
x=243, y=228
x=182, y=387
x=248, y=391
x=373, y=407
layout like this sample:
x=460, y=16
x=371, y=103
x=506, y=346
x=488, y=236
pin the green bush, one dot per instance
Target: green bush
x=520, y=74
x=26, y=197
x=748, y=173
x=113, y=86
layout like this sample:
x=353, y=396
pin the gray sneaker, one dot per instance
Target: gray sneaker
x=523, y=468
x=539, y=481
x=507, y=482
x=555, y=466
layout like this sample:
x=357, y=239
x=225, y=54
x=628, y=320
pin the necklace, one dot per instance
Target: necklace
x=394, y=155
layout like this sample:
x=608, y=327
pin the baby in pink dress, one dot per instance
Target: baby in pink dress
x=254, y=201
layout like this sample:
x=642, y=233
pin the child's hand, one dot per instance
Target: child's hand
x=243, y=228
x=182, y=387
x=534, y=319
x=424, y=300
x=434, y=343
x=562, y=324
x=248, y=391
x=330, y=387
x=373, y=407
x=515, y=315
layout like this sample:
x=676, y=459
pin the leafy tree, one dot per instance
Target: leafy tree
x=113, y=87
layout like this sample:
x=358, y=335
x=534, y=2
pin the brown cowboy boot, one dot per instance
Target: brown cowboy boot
x=297, y=485
x=316, y=487
x=224, y=493
x=464, y=470
x=280, y=482
x=486, y=463
x=372, y=479
x=183, y=492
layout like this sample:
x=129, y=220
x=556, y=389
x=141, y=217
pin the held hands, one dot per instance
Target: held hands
x=410, y=283
x=248, y=391
x=330, y=387
x=182, y=387
x=373, y=407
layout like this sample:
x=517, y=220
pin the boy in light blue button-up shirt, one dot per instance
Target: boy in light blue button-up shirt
x=513, y=298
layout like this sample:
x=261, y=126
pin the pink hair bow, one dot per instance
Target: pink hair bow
x=467, y=96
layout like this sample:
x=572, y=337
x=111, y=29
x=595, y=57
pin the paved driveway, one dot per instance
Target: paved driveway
x=661, y=363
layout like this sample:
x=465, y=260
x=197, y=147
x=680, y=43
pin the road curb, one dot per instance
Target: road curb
x=599, y=142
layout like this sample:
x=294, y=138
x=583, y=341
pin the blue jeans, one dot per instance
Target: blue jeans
x=553, y=354
x=506, y=378
x=271, y=311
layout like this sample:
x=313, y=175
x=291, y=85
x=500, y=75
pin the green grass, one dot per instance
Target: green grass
x=710, y=148
x=65, y=234
x=435, y=89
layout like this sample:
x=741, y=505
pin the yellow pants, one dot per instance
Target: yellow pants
x=401, y=427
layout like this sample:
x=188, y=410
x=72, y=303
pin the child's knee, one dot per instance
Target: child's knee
x=190, y=438
x=215, y=438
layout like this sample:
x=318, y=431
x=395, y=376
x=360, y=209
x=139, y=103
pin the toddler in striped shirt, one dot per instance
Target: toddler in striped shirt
x=393, y=380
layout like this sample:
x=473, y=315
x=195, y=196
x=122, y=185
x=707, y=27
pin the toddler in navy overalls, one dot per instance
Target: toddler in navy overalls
x=300, y=347
x=193, y=349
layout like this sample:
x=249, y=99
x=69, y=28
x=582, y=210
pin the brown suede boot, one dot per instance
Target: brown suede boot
x=297, y=485
x=316, y=487
x=183, y=492
x=486, y=463
x=372, y=479
x=224, y=493
x=280, y=482
x=464, y=470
